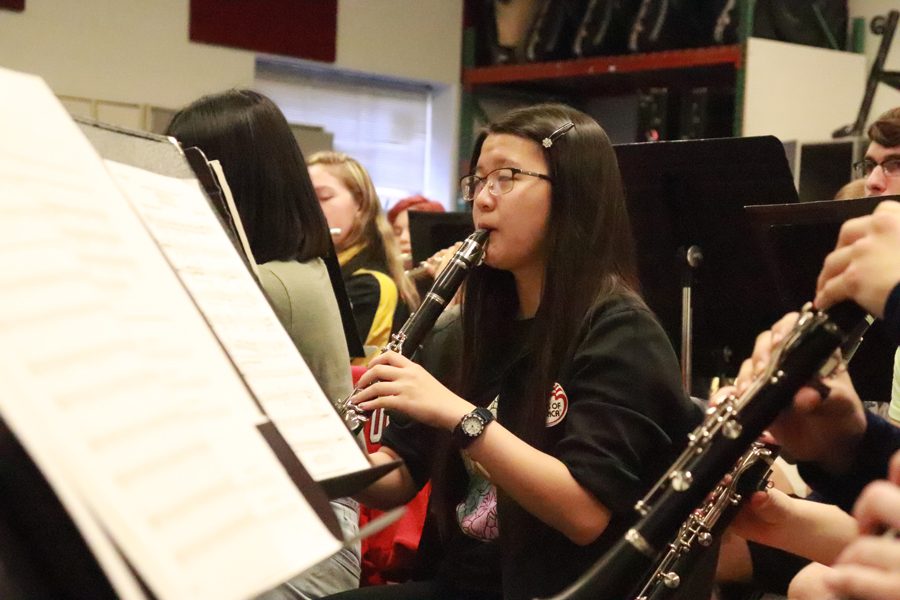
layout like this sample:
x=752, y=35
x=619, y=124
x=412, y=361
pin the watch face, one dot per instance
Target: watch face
x=472, y=425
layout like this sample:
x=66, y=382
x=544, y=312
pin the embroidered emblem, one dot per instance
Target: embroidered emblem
x=559, y=406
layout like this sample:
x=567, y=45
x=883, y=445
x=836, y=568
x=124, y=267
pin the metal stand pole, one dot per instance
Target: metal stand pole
x=693, y=257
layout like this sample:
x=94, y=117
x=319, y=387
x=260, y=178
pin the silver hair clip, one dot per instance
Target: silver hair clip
x=547, y=142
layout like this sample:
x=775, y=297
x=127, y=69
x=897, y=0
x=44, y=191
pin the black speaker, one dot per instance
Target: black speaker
x=653, y=114
x=705, y=113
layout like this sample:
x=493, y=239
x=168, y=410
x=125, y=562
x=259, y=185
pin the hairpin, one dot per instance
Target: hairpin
x=547, y=142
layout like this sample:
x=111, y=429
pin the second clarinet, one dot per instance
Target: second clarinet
x=409, y=338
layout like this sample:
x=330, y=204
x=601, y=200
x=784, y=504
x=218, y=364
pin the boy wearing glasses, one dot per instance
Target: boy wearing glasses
x=881, y=166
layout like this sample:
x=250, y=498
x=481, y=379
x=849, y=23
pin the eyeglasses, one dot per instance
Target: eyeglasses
x=499, y=181
x=864, y=168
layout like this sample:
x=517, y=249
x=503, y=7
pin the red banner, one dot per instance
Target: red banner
x=299, y=28
x=17, y=5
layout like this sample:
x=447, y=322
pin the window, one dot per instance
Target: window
x=385, y=124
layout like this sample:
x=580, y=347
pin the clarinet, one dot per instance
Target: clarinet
x=409, y=338
x=713, y=448
x=704, y=525
x=707, y=523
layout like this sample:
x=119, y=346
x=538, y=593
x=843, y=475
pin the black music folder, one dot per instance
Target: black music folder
x=351, y=333
x=795, y=239
x=692, y=193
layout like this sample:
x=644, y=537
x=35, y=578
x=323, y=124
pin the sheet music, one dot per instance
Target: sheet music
x=184, y=224
x=129, y=393
x=216, y=166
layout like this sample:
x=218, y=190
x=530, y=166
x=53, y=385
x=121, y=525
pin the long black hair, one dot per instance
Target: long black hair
x=589, y=258
x=248, y=134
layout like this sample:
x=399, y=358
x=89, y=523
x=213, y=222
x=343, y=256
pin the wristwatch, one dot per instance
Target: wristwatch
x=471, y=426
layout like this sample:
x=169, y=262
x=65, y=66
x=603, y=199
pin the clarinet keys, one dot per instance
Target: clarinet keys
x=732, y=429
x=681, y=480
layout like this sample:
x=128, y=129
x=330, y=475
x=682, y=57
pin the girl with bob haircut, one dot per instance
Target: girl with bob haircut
x=370, y=259
x=569, y=403
x=288, y=237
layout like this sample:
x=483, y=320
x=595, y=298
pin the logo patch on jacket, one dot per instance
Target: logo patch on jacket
x=559, y=406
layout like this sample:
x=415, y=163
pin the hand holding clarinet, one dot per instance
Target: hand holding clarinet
x=393, y=381
x=826, y=423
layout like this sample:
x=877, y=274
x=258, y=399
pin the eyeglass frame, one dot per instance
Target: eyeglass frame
x=484, y=180
x=859, y=166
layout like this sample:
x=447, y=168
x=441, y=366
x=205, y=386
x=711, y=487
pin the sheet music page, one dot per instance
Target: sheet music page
x=185, y=226
x=130, y=393
x=216, y=166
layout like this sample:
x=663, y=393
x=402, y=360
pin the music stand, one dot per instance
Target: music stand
x=795, y=239
x=692, y=193
x=430, y=232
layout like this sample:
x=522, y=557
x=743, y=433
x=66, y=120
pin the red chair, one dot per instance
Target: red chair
x=356, y=372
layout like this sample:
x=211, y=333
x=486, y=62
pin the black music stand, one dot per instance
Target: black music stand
x=430, y=232
x=795, y=239
x=690, y=194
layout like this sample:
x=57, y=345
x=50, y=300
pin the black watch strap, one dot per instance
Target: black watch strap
x=471, y=426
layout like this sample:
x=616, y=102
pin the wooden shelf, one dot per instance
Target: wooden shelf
x=551, y=73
